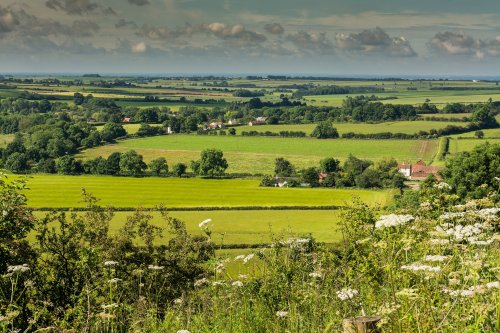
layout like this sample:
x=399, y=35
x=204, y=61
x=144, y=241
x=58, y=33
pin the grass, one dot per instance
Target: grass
x=257, y=154
x=248, y=226
x=130, y=128
x=461, y=145
x=65, y=191
x=5, y=139
x=407, y=127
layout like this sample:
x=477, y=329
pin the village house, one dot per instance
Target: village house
x=419, y=170
x=215, y=125
x=258, y=121
x=233, y=122
x=126, y=120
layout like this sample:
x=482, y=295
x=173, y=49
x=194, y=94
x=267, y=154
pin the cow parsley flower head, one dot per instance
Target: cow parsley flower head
x=240, y=257
x=204, y=223
x=155, y=268
x=201, y=282
x=393, y=220
x=18, y=268
x=110, y=263
x=183, y=331
x=315, y=275
x=114, y=280
x=435, y=258
x=281, y=314
x=442, y=186
x=248, y=258
x=418, y=267
x=346, y=294
x=237, y=284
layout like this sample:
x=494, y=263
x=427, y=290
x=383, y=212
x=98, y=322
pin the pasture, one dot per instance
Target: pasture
x=460, y=145
x=52, y=191
x=407, y=127
x=248, y=226
x=257, y=154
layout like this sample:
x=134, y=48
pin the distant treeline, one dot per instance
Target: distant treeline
x=284, y=134
x=336, y=90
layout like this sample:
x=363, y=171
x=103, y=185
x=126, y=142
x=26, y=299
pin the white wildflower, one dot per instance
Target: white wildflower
x=281, y=314
x=114, y=280
x=451, y=216
x=488, y=212
x=183, y=331
x=109, y=306
x=481, y=242
x=178, y=301
x=442, y=186
x=201, y=282
x=439, y=241
x=155, y=268
x=204, y=223
x=18, y=268
x=248, y=258
x=110, y=263
x=417, y=267
x=237, y=284
x=346, y=293
x=315, y=275
x=435, y=258
x=240, y=257
x=218, y=283
x=242, y=276
x=492, y=285
x=393, y=220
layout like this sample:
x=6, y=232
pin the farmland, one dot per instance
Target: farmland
x=460, y=145
x=257, y=154
x=65, y=191
x=407, y=127
x=5, y=139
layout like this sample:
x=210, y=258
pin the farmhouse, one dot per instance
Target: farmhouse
x=258, y=121
x=419, y=170
x=215, y=125
x=126, y=120
x=233, y=122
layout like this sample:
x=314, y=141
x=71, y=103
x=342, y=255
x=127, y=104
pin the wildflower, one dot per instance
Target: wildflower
x=218, y=283
x=439, y=241
x=109, y=306
x=453, y=281
x=346, y=293
x=488, y=212
x=178, y=301
x=492, y=285
x=417, y=267
x=315, y=275
x=200, y=282
x=242, y=276
x=237, y=284
x=393, y=220
x=436, y=258
x=114, y=280
x=481, y=242
x=155, y=268
x=104, y=315
x=183, y=331
x=281, y=314
x=18, y=268
x=442, y=186
x=451, y=216
x=204, y=223
x=240, y=257
x=248, y=258
x=219, y=267
x=407, y=292
x=110, y=263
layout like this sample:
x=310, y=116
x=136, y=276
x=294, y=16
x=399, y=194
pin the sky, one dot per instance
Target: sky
x=307, y=37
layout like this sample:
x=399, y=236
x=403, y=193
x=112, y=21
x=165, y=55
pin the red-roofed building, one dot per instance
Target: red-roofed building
x=419, y=170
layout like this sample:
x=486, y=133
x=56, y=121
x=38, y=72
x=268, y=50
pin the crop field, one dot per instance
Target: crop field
x=130, y=128
x=248, y=226
x=257, y=154
x=5, y=139
x=52, y=191
x=407, y=127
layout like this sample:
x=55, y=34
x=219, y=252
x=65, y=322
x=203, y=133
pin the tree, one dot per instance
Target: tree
x=78, y=98
x=474, y=174
x=46, y=166
x=329, y=165
x=17, y=163
x=311, y=177
x=212, y=163
x=132, y=164
x=158, y=166
x=479, y=134
x=267, y=181
x=232, y=131
x=112, y=131
x=97, y=166
x=68, y=165
x=149, y=115
x=325, y=130
x=283, y=167
x=179, y=169
x=484, y=117
x=113, y=164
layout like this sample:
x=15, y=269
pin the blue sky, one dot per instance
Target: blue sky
x=325, y=37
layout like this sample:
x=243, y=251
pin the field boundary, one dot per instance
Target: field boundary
x=186, y=209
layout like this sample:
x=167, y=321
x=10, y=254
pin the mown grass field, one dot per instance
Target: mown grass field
x=65, y=191
x=407, y=127
x=257, y=154
x=130, y=128
x=5, y=139
x=248, y=226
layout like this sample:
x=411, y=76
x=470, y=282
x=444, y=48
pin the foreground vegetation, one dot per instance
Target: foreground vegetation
x=430, y=266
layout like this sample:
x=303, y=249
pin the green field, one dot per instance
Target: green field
x=65, y=191
x=407, y=127
x=249, y=226
x=130, y=128
x=257, y=154
x=5, y=139
x=460, y=145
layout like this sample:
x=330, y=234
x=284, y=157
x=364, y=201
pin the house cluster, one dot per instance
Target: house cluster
x=233, y=122
x=419, y=170
x=257, y=121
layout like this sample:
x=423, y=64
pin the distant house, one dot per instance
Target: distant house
x=126, y=120
x=216, y=125
x=258, y=121
x=419, y=170
x=169, y=130
x=233, y=122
